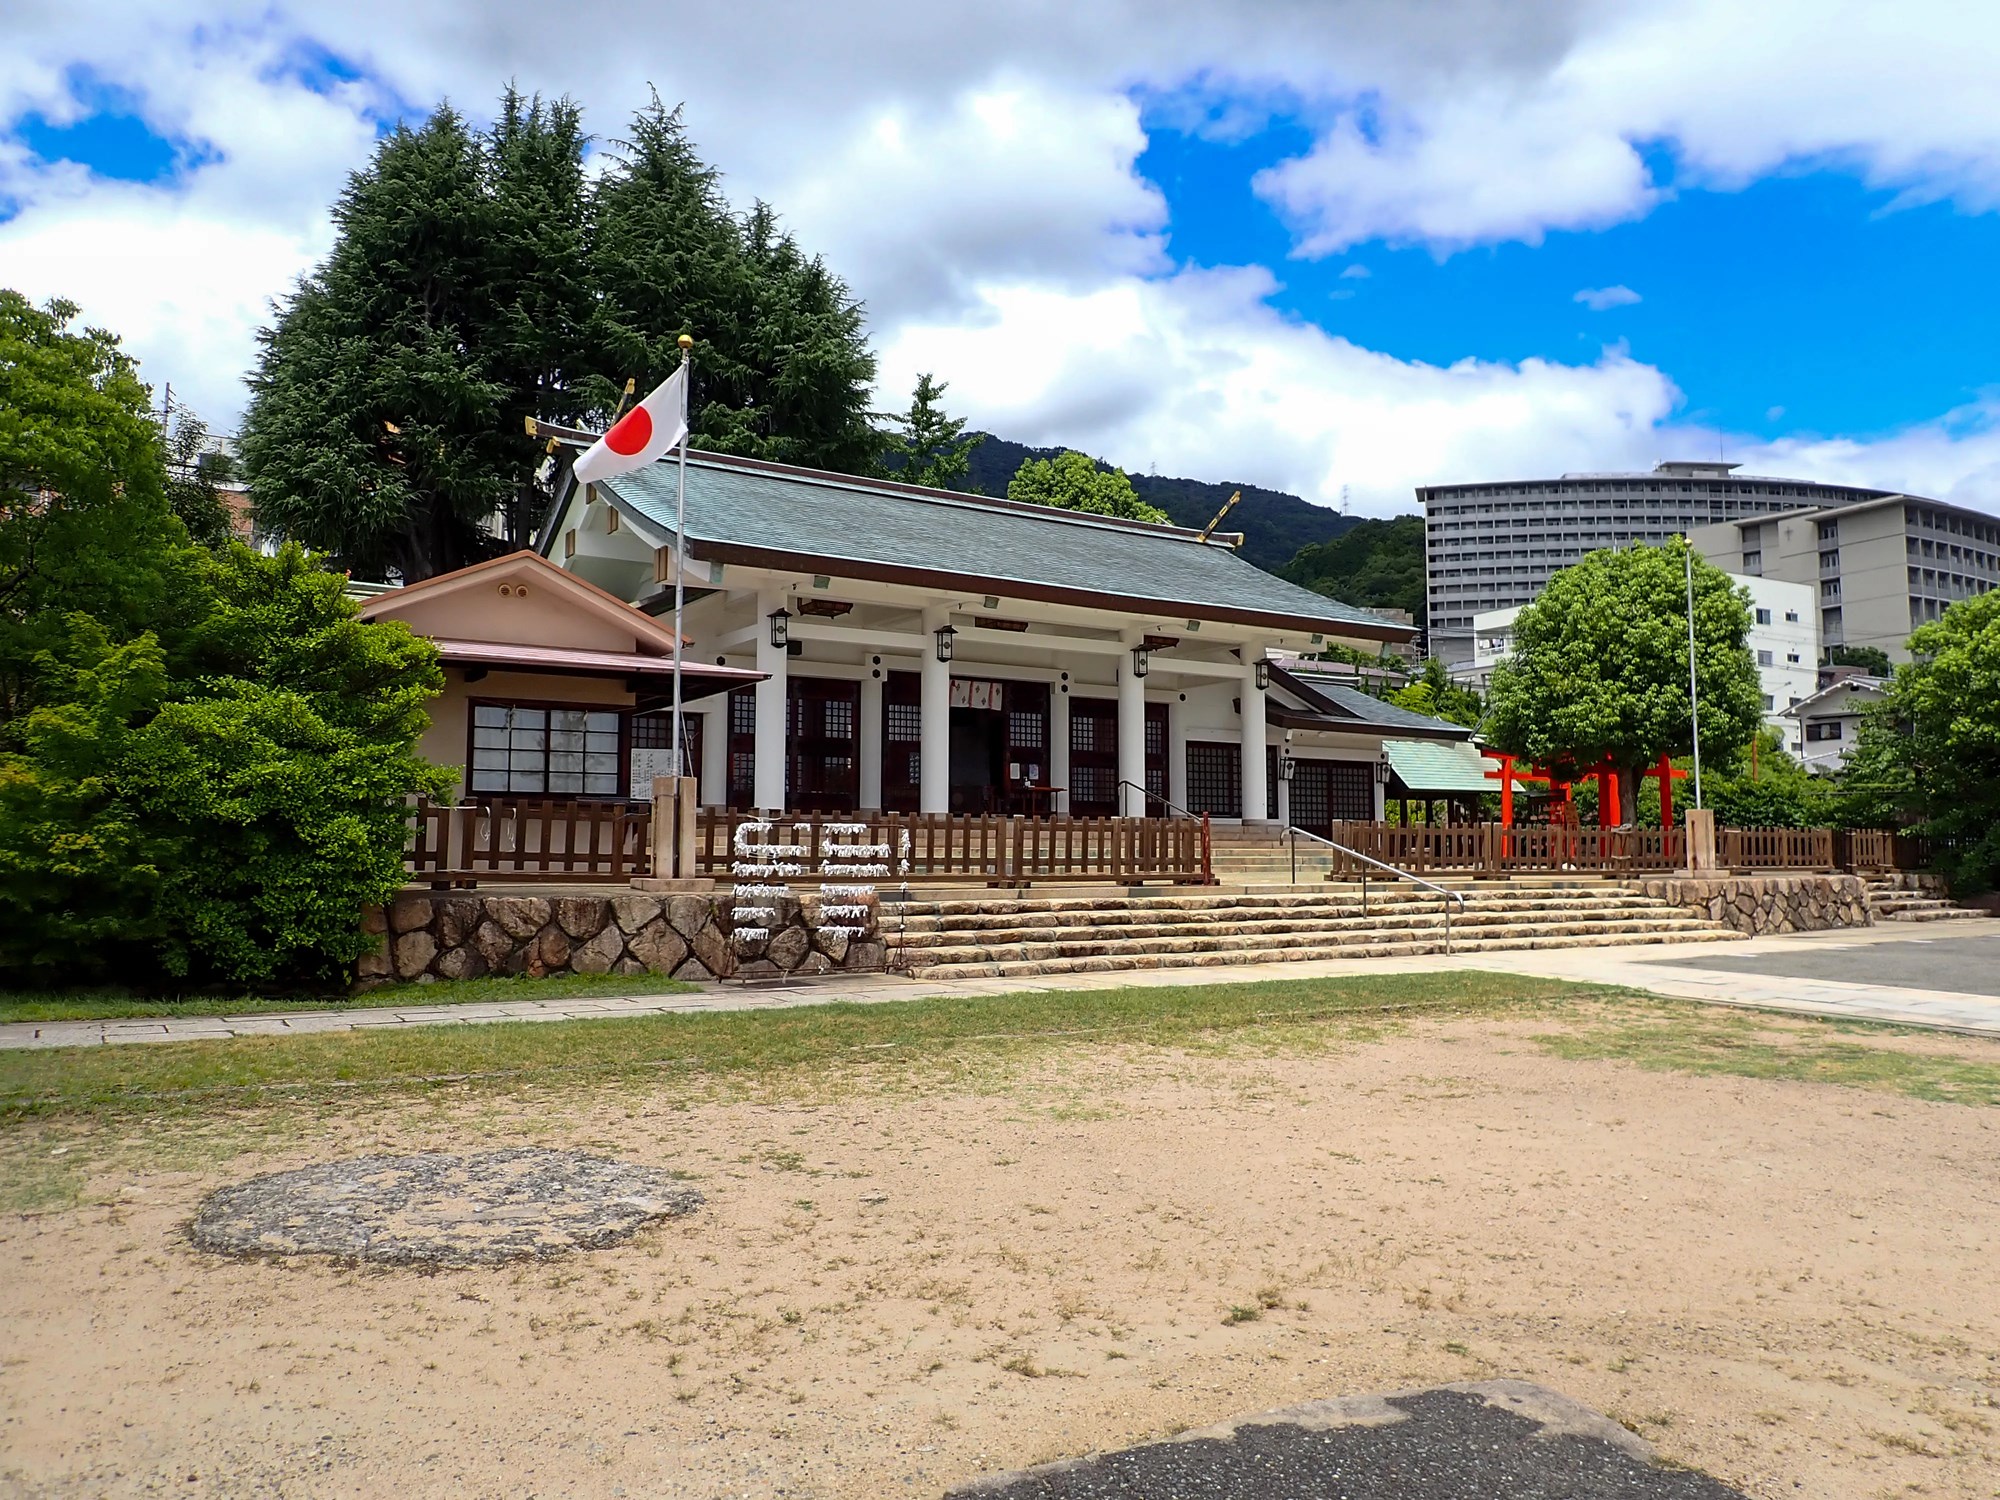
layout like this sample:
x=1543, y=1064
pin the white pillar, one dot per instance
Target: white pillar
x=771, y=706
x=1382, y=796
x=715, y=751
x=1059, y=743
x=1284, y=798
x=871, y=742
x=1177, y=749
x=1252, y=715
x=934, y=706
x=1131, y=738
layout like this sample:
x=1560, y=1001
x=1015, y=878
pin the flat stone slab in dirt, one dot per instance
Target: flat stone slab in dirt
x=1457, y=1442
x=437, y=1209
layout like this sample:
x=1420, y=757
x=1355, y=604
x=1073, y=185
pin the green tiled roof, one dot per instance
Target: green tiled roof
x=835, y=518
x=1431, y=766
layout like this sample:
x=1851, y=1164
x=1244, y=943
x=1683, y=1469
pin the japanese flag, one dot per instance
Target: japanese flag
x=646, y=432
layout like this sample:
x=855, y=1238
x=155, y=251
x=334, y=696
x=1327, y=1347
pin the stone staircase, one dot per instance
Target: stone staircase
x=1899, y=897
x=1256, y=854
x=1026, y=936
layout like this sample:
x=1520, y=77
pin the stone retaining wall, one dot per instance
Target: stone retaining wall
x=1764, y=904
x=462, y=935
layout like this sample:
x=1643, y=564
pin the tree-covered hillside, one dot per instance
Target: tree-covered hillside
x=1274, y=525
x=1373, y=564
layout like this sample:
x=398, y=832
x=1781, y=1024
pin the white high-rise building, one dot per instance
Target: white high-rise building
x=1492, y=546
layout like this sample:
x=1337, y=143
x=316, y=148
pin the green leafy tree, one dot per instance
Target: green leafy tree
x=204, y=755
x=1434, y=693
x=533, y=340
x=926, y=446
x=374, y=430
x=1075, y=481
x=1871, y=659
x=85, y=528
x=782, y=368
x=1373, y=564
x=196, y=471
x=478, y=279
x=1600, y=666
x=1768, y=790
x=1934, y=744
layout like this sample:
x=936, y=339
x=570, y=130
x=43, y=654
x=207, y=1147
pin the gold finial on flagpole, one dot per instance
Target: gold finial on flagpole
x=687, y=341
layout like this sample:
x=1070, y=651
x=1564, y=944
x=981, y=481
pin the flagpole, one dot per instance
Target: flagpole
x=1694, y=692
x=680, y=551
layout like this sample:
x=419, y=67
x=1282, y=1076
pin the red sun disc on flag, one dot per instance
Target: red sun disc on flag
x=631, y=433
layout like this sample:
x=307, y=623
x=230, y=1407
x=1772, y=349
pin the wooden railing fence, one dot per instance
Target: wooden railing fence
x=529, y=840
x=984, y=847
x=574, y=841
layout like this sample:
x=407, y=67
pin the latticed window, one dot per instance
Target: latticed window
x=906, y=721
x=1024, y=731
x=1091, y=784
x=1215, y=779
x=558, y=752
x=1082, y=733
x=742, y=712
x=839, y=719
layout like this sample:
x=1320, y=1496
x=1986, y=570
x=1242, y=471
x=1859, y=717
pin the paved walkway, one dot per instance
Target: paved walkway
x=1677, y=969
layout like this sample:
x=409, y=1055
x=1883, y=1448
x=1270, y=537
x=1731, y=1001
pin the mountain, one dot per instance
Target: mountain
x=1275, y=526
x=1373, y=564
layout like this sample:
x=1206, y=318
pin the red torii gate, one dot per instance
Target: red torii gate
x=1610, y=813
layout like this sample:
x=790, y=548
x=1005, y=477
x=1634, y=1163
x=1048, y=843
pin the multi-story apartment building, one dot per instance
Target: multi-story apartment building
x=1879, y=567
x=1782, y=639
x=1493, y=546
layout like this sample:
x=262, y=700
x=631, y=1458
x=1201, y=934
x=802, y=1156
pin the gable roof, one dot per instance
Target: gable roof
x=773, y=515
x=1860, y=683
x=647, y=633
x=1334, y=706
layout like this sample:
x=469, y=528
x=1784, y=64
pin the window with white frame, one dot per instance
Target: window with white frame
x=545, y=751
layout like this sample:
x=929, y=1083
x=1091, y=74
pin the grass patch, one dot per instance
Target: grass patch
x=731, y=1044
x=115, y=1005
x=1687, y=1037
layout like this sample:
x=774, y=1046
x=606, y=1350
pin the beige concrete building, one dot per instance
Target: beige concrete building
x=1880, y=568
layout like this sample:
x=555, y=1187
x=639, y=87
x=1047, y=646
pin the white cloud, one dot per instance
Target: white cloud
x=1602, y=298
x=972, y=172
x=1198, y=374
x=1355, y=273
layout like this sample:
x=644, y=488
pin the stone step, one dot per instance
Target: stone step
x=1083, y=945
x=1283, y=907
x=1207, y=899
x=1219, y=958
x=1266, y=933
x=1930, y=914
x=1283, y=921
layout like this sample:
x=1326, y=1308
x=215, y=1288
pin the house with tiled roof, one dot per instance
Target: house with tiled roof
x=928, y=651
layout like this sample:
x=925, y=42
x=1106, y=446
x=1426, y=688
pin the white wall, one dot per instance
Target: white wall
x=1791, y=640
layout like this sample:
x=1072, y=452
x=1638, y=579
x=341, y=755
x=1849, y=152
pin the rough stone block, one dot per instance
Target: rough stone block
x=461, y=963
x=581, y=916
x=409, y=913
x=520, y=916
x=788, y=948
x=494, y=945
x=658, y=948
x=631, y=913
x=712, y=948
x=864, y=957
x=690, y=914
x=374, y=920
x=374, y=965
x=458, y=918
x=694, y=971
x=550, y=954
x=600, y=953
x=628, y=966
x=414, y=952
x=833, y=944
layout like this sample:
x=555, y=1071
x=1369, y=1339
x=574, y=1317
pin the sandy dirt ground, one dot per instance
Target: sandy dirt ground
x=1790, y=1285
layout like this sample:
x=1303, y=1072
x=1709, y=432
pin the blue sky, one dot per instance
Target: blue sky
x=1324, y=247
x=1804, y=302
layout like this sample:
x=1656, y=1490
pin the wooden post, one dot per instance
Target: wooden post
x=1701, y=840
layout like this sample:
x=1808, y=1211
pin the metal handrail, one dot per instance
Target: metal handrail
x=1450, y=895
x=1156, y=797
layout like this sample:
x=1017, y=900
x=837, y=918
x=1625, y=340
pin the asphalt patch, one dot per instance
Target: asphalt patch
x=1460, y=1442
